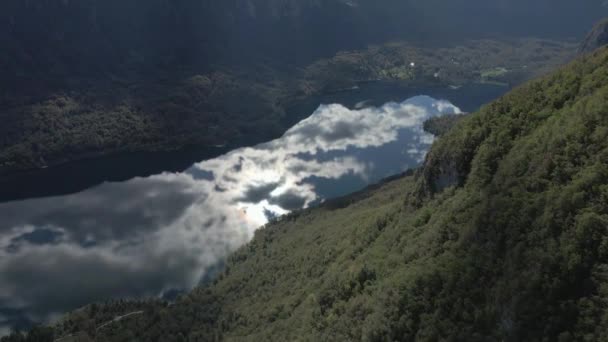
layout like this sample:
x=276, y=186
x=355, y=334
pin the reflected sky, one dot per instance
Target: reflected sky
x=150, y=235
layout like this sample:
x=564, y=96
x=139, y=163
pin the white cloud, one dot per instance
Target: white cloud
x=141, y=237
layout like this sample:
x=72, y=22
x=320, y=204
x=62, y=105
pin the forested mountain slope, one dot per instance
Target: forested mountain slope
x=86, y=78
x=502, y=235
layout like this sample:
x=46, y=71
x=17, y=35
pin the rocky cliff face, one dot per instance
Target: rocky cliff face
x=597, y=38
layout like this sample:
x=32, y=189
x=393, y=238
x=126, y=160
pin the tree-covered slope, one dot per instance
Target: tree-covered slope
x=506, y=241
x=502, y=235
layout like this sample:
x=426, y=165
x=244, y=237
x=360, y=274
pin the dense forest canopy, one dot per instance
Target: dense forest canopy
x=502, y=235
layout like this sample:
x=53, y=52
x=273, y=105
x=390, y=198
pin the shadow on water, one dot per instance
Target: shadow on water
x=79, y=175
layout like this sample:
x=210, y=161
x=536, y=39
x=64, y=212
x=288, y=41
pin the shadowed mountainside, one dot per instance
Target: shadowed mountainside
x=87, y=78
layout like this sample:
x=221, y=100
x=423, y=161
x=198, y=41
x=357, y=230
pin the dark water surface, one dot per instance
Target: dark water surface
x=79, y=175
x=168, y=228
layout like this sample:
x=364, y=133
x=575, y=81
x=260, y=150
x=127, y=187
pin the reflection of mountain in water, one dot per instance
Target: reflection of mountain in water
x=147, y=236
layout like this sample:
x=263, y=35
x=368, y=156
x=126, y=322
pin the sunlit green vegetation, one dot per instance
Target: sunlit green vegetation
x=440, y=125
x=493, y=73
x=502, y=235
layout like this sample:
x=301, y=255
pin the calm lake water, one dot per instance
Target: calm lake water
x=167, y=231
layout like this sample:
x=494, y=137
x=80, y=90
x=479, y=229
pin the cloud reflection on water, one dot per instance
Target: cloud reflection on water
x=149, y=235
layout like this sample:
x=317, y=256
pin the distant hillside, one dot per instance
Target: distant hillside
x=121, y=36
x=50, y=120
x=502, y=235
x=88, y=78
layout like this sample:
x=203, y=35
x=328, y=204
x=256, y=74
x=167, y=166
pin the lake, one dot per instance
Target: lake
x=147, y=230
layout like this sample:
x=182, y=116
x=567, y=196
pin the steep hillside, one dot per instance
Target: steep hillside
x=501, y=235
x=597, y=38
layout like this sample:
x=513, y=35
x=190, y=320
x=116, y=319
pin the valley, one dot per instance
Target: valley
x=303, y=170
x=490, y=239
x=176, y=228
x=230, y=106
